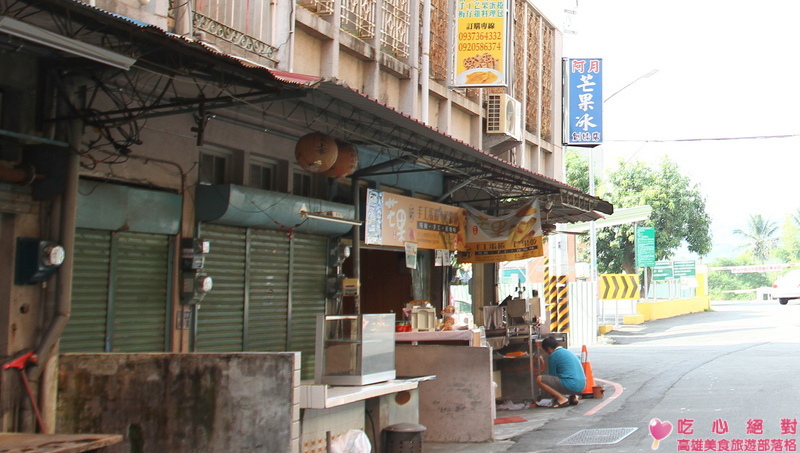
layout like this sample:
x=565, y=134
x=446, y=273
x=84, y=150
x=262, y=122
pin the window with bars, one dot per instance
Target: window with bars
x=439, y=35
x=244, y=23
x=396, y=22
x=358, y=18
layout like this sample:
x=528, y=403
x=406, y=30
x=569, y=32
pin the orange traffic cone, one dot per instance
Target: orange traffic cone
x=587, y=370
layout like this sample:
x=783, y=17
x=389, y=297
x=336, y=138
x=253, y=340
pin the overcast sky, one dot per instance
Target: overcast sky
x=724, y=72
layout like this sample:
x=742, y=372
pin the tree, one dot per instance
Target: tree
x=760, y=237
x=789, y=249
x=722, y=283
x=679, y=214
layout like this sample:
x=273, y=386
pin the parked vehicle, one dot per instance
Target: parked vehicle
x=787, y=287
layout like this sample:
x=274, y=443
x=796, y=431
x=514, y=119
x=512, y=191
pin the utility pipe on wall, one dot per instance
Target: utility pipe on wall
x=425, y=70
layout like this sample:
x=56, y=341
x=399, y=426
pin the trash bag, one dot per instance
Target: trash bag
x=353, y=441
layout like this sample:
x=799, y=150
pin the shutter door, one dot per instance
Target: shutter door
x=86, y=328
x=308, y=295
x=220, y=319
x=120, y=293
x=141, y=292
x=269, y=291
x=249, y=307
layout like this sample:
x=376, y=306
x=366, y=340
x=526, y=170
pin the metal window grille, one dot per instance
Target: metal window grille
x=244, y=23
x=439, y=35
x=548, y=56
x=396, y=22
x=319, y=7
x=533, y=71
x=358, y=18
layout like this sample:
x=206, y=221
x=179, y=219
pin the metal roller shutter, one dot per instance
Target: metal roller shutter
x=262, y=279
x=141, y=293
x=120, y=295
x=269, y=291
x=220, y=319
x=86, y=328
x=308, y=296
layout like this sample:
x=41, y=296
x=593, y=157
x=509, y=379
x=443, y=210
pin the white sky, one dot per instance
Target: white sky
x=725, y=70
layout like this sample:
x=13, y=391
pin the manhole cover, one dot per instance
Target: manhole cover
x=597, y=436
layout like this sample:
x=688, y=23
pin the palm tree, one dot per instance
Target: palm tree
x=760, y=237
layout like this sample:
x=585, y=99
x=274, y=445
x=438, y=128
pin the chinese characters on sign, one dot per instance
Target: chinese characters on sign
x=481, y=43
x=396, y=220
x=583, y=120
x=494, y=239
x=754, y=438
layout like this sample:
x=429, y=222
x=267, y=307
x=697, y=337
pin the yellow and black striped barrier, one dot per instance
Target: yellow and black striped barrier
x=563, y=304
x=619, y=286
x=550, y=296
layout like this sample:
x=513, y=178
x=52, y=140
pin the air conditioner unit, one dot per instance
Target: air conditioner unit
x=504, y=115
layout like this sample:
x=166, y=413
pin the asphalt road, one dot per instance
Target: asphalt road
x=729, y=377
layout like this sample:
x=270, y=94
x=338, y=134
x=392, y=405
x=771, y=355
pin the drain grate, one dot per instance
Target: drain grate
x=602, y=436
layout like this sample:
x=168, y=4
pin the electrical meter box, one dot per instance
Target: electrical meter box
x=36, y=260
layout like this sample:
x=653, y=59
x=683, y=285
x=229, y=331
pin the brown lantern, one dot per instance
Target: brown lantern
x=346, y=162
x=316, y=152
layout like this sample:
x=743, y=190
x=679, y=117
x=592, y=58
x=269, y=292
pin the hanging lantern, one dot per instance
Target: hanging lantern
x=316, y=152
x=346, y=161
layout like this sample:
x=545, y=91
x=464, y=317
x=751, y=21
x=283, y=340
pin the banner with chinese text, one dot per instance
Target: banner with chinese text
x=494, y=239
x=481, y=58
x=583, y=118
x=395, y=220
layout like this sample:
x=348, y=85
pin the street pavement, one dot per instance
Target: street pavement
x=722, y=380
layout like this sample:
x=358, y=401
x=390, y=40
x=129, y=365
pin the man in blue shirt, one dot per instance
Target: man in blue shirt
x=565, y=374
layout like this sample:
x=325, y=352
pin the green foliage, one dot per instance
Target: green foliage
x=788, y=249
x=577, y=169
x=760, y=240
x=721, y=281
x=679, y=214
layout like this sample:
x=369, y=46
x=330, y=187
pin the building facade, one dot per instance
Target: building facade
x=157, y=143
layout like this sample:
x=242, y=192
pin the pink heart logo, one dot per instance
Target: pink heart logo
x=659, y=430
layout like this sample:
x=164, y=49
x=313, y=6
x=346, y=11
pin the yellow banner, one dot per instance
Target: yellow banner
x=395, y=220
x=494, y=239
x=481, y=41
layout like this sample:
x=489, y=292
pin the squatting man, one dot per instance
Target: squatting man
x=565, y=379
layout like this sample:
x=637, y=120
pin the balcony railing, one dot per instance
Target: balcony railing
x=233, y=36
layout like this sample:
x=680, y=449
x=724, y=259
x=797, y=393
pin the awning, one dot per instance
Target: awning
x=196, y=78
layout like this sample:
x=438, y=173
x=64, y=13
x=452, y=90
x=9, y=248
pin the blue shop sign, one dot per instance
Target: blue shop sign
x=583, y=118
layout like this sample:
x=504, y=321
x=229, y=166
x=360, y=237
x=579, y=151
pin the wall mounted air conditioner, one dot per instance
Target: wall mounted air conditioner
x=504, y=115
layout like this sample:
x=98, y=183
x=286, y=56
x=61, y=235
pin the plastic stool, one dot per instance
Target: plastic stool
x=403, y=438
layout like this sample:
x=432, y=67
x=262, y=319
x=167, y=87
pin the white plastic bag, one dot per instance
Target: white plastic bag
x=353, y=441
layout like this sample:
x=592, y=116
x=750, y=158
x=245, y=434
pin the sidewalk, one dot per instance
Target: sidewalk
x=503, y=433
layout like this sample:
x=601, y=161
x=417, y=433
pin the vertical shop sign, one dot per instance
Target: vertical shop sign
x=583, y=92
x=482, y=31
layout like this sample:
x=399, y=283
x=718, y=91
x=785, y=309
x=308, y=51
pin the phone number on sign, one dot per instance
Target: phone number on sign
x=480, y=36
x=476, y=46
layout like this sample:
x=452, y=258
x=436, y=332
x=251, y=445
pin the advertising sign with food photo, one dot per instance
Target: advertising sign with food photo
x=396, y=220
x=481, y=40
x=512, y=237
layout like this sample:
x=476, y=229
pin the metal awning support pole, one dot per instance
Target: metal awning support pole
x=357, y=243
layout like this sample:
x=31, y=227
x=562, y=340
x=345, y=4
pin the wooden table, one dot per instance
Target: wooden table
x=55, y=443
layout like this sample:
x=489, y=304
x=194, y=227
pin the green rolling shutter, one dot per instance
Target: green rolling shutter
x=262, y=279
x=86, y=328
x=220, y=326
x=142, y=290
x=120, y=293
